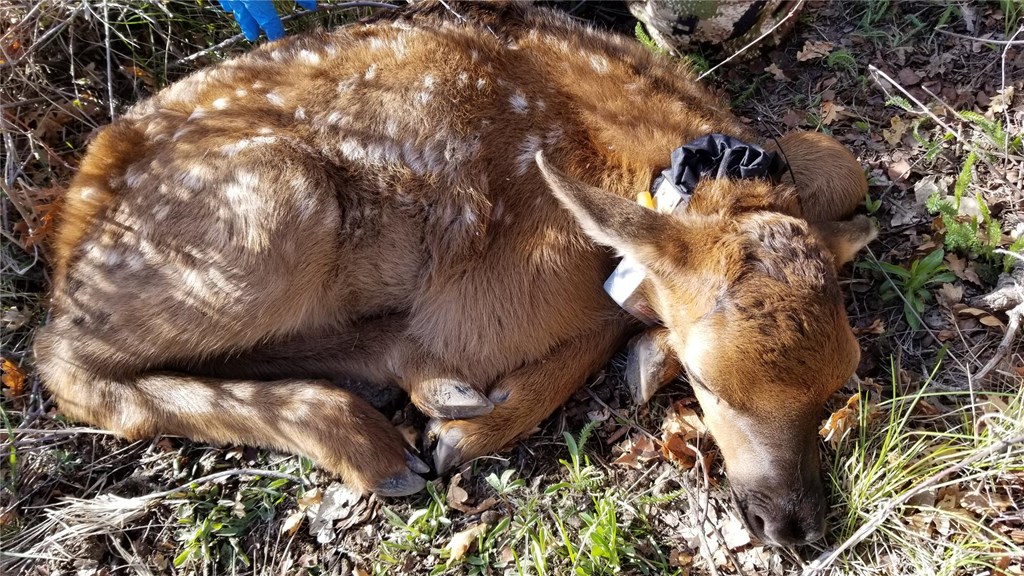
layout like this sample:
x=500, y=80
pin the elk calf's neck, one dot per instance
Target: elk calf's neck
x=432, y=202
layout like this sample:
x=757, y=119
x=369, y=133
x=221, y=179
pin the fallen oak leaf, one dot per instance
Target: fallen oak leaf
x=638, y=451
x=461, y=541
x=898, y=170
x=894, y=134
x=876, y=328
x=834, y=429
x=814, y=49
x=830, y=111
x=948, y=295
x=777, y=72
x=291, y=524
x=675, y=450
x=13, y=377
x=457, y=495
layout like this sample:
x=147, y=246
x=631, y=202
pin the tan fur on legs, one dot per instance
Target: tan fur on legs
x=535, y=389
x=333, y=427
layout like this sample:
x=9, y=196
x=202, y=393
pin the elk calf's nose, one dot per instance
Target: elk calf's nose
x=786, y=528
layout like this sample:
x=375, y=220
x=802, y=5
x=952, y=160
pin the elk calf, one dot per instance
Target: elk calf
x=433, y=202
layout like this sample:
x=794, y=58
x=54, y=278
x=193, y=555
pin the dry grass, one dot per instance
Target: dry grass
x=930, y=479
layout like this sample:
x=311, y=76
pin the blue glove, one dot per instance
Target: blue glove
x=254, y=15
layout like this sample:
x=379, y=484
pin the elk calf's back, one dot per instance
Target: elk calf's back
x=433, y=202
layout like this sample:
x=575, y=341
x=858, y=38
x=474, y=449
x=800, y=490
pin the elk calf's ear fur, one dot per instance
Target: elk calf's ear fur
x=844, y=239
x=828, y=177
x=633, y=230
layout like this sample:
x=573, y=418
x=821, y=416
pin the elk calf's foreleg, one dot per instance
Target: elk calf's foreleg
x=524, y=397
x=650, y=364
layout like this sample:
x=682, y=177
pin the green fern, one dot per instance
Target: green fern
x=962, y=235
x=899, y=102
x=1016, y=248
x=644, y=38
x=963, y=180
x=993, y=129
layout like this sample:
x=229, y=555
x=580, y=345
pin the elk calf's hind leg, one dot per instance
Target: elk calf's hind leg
x=335, y=428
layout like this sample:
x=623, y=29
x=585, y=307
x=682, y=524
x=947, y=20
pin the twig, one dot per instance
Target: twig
x=44, y=38
x=110, y=68
x=706, y=489
x=1004, y=346
x=321, y=9
x=796, y=8
x=704, y=546
x=823, y=562
x=1002, y=89
x=889, y=79
x=1010, y=42
x=996, y=171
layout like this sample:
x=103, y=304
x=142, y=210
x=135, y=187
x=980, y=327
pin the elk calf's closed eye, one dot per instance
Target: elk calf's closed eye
x=262, y=252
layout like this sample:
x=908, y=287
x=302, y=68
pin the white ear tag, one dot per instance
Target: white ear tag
x=625, y=280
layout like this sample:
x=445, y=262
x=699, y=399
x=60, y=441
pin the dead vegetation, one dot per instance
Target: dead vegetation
x=924, y=455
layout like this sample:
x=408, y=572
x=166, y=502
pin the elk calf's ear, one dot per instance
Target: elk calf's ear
x=844, y=239
x=828, y=177
x=609, y=220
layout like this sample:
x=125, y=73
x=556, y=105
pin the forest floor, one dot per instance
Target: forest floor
x=923, y=453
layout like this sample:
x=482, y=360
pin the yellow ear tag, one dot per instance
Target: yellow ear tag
x=644, y=199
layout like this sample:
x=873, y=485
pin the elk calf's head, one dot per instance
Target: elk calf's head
x=748, y=293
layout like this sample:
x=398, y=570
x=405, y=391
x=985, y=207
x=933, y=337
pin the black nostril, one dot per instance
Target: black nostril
x=756, y=523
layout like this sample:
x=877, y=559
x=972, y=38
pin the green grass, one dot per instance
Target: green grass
x=898, y=445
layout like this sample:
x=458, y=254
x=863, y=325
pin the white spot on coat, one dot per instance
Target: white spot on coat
x=518, y=102
x=309, y=57
x=599, y=64
x=275, y=99
x=371, y=72
x=527, y=152
x=220, y=103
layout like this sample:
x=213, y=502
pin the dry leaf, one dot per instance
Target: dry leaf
x=340, y=508
x=898, y=170
x=835, y=427
x=929, y=185
x=963, y=269
x=460, y=542
x=777, y=72
x=309, y=498
x=676, y=451
x=678, y=559
x=894, y=134
x=638, y=451
x=457, y=495
x=814, y=49
x=681, y=425
x=360, y=571
x=13, y=377
x=985, y=504
x=830, y=111
x=1001, y=101
x=983, y=317
x=908, y=77
x=292, y=522
x=794, y=118
x=681, y=419
x=877, y=327
x=948, y=295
